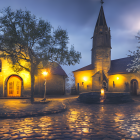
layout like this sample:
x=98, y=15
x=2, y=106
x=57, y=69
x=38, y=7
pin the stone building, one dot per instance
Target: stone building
x=104, y=72
x=19, y=85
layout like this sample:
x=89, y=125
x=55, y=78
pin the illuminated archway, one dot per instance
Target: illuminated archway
x=13, y=86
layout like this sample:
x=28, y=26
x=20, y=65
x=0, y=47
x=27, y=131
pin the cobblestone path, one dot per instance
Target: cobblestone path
x=79, y=122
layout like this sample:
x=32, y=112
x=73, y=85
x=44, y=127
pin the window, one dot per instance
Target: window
x=77, y=86
x=82, y=83
x=87, y=87
x=0, y=66
x=99, y=79
x=113, y=84
x=100, y=33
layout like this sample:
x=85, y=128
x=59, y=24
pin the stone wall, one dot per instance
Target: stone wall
x=102, y=59
x=122, y=82
x=55, y=85
x=6, y=72
x=84, y=85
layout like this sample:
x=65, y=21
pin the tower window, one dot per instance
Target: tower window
x=100, y=32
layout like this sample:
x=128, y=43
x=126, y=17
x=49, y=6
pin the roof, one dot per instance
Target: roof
x=88, y=67
x=118, y=66
x=56, y=69
x=103, y=76
x=101, y=18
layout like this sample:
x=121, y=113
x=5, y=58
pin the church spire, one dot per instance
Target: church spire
x=101, y=18
x=101, y=49
x=101, y=2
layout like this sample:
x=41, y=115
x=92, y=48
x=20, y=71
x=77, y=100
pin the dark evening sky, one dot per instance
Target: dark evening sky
x=79, y=17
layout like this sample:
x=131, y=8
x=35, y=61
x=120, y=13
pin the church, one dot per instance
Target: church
x=104, y=72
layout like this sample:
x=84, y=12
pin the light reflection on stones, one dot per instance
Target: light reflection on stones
x=131, y=125
x=80, y=120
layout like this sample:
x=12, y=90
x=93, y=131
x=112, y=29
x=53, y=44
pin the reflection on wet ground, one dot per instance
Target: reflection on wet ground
x=80, y=121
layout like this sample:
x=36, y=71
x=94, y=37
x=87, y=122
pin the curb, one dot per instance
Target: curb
x=34, y=113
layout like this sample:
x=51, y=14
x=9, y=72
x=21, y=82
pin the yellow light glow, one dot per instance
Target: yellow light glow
x=117, y=78
x=85, y=78
x=45, y=73
x=102, y=92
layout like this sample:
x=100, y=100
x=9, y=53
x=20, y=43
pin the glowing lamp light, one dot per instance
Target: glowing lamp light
x=45, y=73
x=117, y=78
x=102, y=92
x=85, y=78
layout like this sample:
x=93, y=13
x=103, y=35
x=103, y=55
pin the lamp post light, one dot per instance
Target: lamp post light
x=102, y=92
x=102, y=95
x=45, y=74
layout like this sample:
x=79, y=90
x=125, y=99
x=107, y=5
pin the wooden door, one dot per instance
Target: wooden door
x=134, y=88
x=14, y=87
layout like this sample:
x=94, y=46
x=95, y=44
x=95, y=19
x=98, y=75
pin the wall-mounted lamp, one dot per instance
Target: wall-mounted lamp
x=85, y=78
x=102, y=92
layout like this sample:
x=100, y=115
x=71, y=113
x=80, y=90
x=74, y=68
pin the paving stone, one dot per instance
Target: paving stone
x=79, y=121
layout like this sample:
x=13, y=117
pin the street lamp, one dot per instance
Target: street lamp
x=45, y=74
x=102, y=95
x=102, y=92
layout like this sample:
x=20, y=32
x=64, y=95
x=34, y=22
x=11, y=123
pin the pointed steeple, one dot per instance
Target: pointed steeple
x=101, y=18
x=101, y=49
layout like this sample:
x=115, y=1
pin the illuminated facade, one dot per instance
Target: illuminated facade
x=104, y=72
x=19, y=85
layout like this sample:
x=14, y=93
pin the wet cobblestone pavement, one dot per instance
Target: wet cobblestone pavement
x=21, y=108
x=79, y=122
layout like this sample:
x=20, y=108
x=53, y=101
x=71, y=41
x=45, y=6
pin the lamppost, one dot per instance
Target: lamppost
x=102, y=95
x=45, y=74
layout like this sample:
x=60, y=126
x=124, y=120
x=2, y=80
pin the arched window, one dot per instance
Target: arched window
x=0, y=65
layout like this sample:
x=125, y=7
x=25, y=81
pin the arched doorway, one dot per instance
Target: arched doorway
x=104, y=85
x=134, y=86
x=14, y=86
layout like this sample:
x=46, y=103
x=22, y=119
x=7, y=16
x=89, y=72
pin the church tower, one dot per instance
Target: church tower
x=101, y=49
